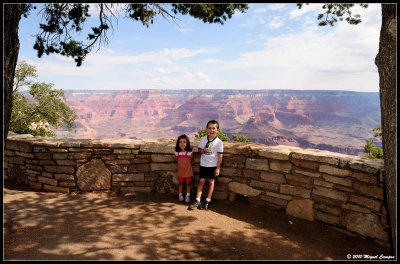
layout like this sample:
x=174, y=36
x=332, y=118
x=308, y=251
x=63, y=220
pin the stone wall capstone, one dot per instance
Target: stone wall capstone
x=340, y=190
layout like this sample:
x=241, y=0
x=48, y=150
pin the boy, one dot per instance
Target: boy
x=211, y=149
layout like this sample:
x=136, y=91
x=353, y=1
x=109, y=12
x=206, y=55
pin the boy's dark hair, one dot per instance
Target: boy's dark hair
x=188, y=147
x=213, y=122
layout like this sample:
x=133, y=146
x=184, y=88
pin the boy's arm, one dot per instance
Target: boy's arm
x=216, y=173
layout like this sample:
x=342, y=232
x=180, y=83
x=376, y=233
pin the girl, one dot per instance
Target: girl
x=184, y=157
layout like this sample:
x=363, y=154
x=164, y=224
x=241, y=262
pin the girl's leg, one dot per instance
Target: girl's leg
x=180, y=196
x=187, y=198
x=180, y=187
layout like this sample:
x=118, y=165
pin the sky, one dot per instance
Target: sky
x=271, y=46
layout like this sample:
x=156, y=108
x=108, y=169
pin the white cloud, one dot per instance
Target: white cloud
x=260, y=10
x=296, y=13
x=185, y=30
x=275, y=7
x=275, y=23
x=342, y=58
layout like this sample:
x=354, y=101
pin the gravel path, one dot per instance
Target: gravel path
x=108, y=226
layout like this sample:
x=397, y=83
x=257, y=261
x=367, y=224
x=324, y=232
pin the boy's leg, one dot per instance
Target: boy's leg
x=200, y=188
x=188, y=188
x=210, y=188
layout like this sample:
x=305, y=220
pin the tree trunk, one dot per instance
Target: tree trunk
x=386, y=63
x=12, y=15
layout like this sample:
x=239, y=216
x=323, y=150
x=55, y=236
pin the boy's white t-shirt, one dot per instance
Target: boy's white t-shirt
x=216, y=147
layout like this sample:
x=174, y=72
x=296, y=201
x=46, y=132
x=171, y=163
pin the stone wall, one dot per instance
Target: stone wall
x=343, y=191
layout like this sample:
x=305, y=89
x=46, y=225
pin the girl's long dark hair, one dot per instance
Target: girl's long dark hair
x=188, y=147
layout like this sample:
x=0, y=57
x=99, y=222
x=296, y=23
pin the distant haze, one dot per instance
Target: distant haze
x=338, y=121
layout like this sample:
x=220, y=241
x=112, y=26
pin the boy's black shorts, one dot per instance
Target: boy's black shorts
x=207, y=172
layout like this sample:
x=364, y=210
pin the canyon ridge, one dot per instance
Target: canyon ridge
x=338, y=121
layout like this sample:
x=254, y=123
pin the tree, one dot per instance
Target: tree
x=50, y=109
x=240, y=138
x=64, y=19
x=373, y=151
x=386, y=62
x=203, y=133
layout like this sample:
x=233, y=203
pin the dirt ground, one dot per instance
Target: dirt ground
x=110, y=226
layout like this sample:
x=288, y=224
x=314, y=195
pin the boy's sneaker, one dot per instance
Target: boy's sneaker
x=181, y=198
x=187, y=199
x=195, y=205
x=205, y=205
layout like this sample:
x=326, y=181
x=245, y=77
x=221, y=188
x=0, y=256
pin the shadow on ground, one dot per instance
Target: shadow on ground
x=108, y=226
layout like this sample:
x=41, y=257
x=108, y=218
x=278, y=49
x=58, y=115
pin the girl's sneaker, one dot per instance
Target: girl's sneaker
x=187, y=199
x=181, y=198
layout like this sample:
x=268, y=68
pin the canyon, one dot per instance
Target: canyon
x=338, y=121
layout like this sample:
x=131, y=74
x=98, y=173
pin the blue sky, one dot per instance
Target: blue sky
x=271, y=46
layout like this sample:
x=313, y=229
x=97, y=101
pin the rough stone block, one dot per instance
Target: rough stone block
x=121, y=151
x=19, y=145
x=280, y=166
x=93, y=175
x=128, y=177
x=326, y=218
x=277, y=152
x=163, y=166
x=48, y=181
x=307, y=173
x=55, y=188
x=274, y=200
x=102, y=151
x=60, y=169
x=295, y=191
x=299, y=178
x=326, y=192
x=233, y=161
x=64, y=177
x=305, y=164
x=36, y=185
x=232, y=172
x=162, y=158
x=264, y=185
x=334, y=171
x=24, y=154
x=338, y=180
x=301, y=209
x=278, y=195
x=166, y=148
x=365, y=177
x=68, y=184
x=118, y=168
x=61, y=156
x=366, y=202
x=139, y=167
x=365, y=224
x=369, y=190
x=257, y=164
x=45, y=156
x=242, y=188
x=316, y=155
x=273, y=177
